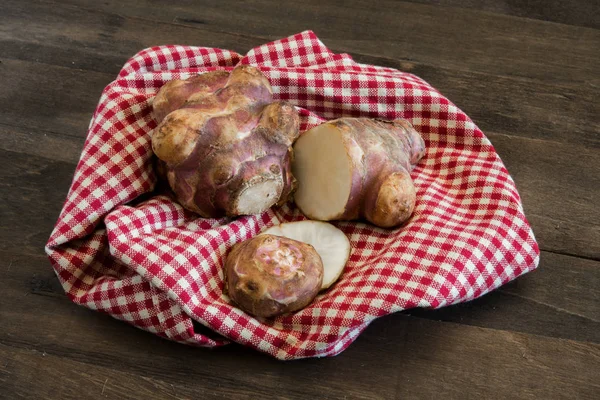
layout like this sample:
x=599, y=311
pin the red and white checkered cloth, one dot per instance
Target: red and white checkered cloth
x=147, y=261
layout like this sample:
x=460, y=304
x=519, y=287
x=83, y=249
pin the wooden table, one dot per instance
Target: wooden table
x=527, y=73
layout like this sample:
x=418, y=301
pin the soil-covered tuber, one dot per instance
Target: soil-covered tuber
x=223, y=144
x=271, y=275
x=353, y=168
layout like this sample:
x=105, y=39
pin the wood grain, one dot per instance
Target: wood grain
x=584, y=13
x=567, y=284
x=95, y=40
x=559, y=187
x=30, y=373
x=521, y=107
x=43, y=98
x=526, y=72
x=560, y=299
x=460, y=39
x=46, y=144
x=397, y=357
x=33, y=191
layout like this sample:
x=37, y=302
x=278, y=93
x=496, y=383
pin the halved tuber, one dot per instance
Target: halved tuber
x=353, y=168
x=271, y=275
x=224, y=145
x=331, y=243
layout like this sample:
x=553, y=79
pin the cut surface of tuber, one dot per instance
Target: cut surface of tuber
x=331, y=244
x=358, y=168
x=323, y=166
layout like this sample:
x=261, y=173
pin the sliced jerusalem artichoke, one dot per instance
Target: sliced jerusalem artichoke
x=331, y=243
x=272, y=275
x=353, y=168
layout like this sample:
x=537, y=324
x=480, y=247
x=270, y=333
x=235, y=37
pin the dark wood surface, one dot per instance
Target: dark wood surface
x=526, y=72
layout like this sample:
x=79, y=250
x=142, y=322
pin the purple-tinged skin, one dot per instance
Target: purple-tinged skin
x=175, y=93
x=272, y=275
x=382, y=154
x=391, y=149
x=223, y=139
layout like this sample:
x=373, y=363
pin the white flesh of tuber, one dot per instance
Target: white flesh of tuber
x=331, y=244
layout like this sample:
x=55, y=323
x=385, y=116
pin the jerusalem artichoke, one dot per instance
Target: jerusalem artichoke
x=331, y=243
x=271, y=275
x=353, y=168
x=224, y=145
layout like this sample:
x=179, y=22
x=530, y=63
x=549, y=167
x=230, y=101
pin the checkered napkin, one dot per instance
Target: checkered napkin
x=124, y=249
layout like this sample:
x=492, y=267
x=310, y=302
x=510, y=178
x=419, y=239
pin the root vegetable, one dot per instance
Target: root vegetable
x=353, y=168
x=331, y=243
x=224, y=145
x=271, y=275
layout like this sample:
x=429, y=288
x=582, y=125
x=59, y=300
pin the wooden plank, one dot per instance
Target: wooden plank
x=396, y=357
x=30, y=373
x=58, y=34
x=509, y=105
x=502, y=364
x=559, y=185
x=491, y=43
x=32, y=195
x=579, y=13
x=36, y=97
x=561, y=299
x=564, y=283
x=51, y=145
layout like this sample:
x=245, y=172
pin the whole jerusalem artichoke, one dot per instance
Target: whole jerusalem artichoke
x=224, y=144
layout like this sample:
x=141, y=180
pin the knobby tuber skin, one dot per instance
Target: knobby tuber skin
x=224, y=144
x=271, y=275
x=380, y=156
x=330, y=243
